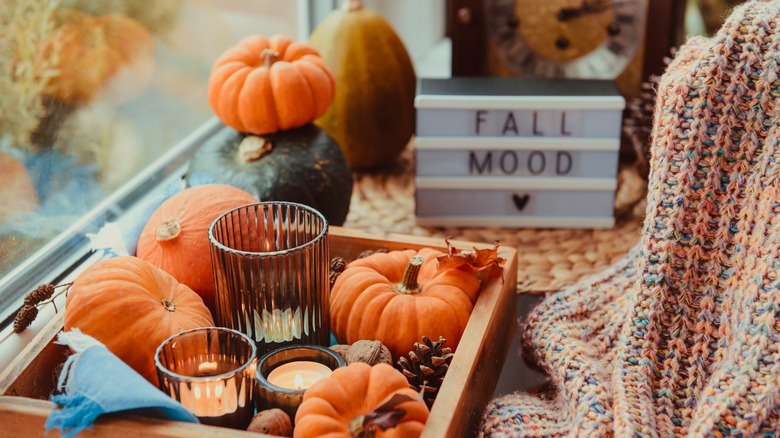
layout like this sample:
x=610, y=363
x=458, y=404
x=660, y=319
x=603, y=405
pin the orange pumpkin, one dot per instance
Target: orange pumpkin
x=264, y=85
x=17, y=192
x=132, y=306
x=335, y=406
x=176, y=239
x=389, y=298
x=93, y=50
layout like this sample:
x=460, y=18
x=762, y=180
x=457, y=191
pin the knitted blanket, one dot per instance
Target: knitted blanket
x=681, y=337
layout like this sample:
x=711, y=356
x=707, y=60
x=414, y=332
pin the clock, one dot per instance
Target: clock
x=567, y=39
x=587, y=39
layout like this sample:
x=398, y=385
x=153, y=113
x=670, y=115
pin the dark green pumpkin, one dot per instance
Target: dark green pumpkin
x=302, y=165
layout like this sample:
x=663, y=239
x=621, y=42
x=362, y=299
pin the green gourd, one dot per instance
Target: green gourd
x=302, y=165
x=372, y=116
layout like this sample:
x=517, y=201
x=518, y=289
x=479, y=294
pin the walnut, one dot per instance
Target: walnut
x=272, y=422
x=370, y=352
x=340, y=349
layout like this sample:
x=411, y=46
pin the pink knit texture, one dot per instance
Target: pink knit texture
x=681, y=337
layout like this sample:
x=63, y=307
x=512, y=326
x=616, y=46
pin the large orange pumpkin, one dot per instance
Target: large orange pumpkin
x=132, y=306
x=264, y=85
x=387, y=297
x=93, y=51
x=335, y=406
x=17, y=192
x=176, y=238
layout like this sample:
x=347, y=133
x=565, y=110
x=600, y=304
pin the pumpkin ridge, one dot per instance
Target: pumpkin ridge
x=258, y=115
x=301, y=66
x=373, y=301
x=401, y=311
x=253, y=98
x=233, y=86
x=219, y=74
x=359, y=282
x=237, y=55
x=309, y=69
x=254, y=43
x=280, y=43
x=224, y=90
x=297, y=51
x=389, y=265
x=338, y=396
x=285, y=77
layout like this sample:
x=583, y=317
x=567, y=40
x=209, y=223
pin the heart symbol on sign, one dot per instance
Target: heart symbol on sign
x=521, y=201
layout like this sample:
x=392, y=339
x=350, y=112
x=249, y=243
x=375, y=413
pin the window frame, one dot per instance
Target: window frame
x=70, y=248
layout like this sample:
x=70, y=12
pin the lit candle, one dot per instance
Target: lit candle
x=299, y=374
x=210, y=370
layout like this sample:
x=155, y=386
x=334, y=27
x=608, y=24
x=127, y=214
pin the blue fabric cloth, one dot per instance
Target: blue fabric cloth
x=96, y=382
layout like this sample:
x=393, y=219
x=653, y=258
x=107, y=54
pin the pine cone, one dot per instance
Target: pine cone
x=370, y=252
x=337, y=266
x=24, y=318
x=40, y=293
x=426, y=367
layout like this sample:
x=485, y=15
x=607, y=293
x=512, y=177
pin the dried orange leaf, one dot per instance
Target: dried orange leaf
x=474, y=260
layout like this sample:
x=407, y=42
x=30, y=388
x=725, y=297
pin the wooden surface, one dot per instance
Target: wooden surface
x=474, y=371
x=24, y=417
x=468, y=387
x=31, y=374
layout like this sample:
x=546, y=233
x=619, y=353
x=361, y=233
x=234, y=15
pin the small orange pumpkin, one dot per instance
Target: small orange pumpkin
x=395, y=298
x=17, y=192
x=176, y=238
x=132, y=306
x=263, y=85
x=93, y=50
x=335, y=406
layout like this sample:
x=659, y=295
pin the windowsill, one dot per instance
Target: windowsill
x=125, y=202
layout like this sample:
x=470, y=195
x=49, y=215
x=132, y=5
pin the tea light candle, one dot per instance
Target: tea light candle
x=284, y=375
x=298, y=375
x=211, y=372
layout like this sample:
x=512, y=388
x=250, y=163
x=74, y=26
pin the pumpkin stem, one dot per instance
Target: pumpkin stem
x=409, y=284
x=253, y=148
x=270, y=56
x=168, y=230
x=169, y=306
x=352, y=5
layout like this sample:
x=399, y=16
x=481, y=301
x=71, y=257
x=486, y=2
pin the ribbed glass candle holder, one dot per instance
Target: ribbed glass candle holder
x=270, y=264
x=211, y=371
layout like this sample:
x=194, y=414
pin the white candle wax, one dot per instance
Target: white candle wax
x=210, y=398
x=298, y=375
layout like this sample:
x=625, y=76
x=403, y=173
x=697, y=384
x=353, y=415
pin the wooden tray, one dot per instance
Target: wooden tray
x=28, y=381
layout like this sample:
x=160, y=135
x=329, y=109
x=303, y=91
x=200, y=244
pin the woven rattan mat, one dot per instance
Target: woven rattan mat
x=548, y=259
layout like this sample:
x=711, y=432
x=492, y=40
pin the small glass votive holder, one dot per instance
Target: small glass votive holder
x=271, y=274
x=283, y=375
x=211, y=372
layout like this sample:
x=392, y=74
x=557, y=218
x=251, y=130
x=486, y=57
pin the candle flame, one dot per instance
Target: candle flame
x=298, y=381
